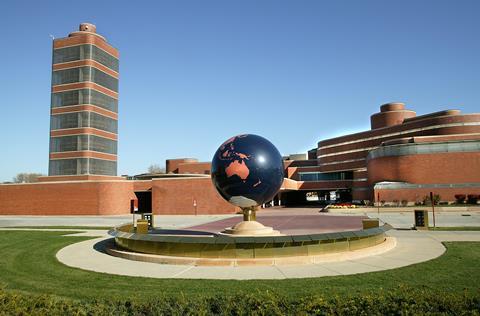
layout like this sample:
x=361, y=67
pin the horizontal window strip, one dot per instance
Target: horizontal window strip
x=424, y=148
x=361, y=188
x=84, y=74
x=85, y=52
x=82, y=166
x=76, y=143
x=347, y=152
x=84, y=97
x=339, y=162
x=360, y=179
x=401, y=133
x=403, y=185
x=326, y=176
x=83, y=119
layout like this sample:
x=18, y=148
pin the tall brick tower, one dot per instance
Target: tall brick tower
x=84, y=107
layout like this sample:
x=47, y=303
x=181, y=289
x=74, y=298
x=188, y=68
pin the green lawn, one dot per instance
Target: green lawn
x=28, y=264
x=458, y=228
x=64, y=227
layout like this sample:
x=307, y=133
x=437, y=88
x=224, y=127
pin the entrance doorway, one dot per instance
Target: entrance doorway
x=144, y=201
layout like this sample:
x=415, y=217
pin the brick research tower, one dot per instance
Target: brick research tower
x=84, y=107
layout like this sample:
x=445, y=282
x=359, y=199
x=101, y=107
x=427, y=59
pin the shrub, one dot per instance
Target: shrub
x=436, y=199
x=472, y=198
x=460, y=198
x=401, y=301
x=396, y=203
x=404, y=202
x=368, y=203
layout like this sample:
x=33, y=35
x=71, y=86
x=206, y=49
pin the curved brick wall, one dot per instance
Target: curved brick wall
x=171, y=165
x=426, y=168
x=390, y=114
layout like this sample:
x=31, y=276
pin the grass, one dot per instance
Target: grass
x=457, y=228
x=28, y=265
x=65, y=227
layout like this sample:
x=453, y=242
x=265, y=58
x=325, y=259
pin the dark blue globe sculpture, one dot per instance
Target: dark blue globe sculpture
x=247, y=170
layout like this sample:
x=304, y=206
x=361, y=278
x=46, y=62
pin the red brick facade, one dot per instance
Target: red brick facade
x=169, y=196
x=67, y=198
x=414, y=154
x=192, y=196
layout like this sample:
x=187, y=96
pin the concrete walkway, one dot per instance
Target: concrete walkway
x=164, y=221
x=397, y=217
x=412, y=247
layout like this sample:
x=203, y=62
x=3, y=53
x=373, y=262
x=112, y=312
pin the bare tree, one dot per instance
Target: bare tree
x=155, y=168
x=26, y=177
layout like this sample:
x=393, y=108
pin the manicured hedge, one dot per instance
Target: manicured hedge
x=399, y=302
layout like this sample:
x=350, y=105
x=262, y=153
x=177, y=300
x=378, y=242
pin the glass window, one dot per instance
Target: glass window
x=82, y=74
x=62, y=167
x=83, y=119
x=103, y=79
x=325, y=176
x=69, y=120
x=103, y=100
x=83, y=142
x=71, y=75
x=102, y=122
x=104, y=58
x=103, y=145
x=104, y=167
x=86, y=51
x=72, y=53
x=84, y=96
x=69, y=143
x=72, y=97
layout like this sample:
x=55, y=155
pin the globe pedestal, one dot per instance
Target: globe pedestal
x=249, y=226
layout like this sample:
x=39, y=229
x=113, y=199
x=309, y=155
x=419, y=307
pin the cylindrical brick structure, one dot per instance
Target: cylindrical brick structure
x=390, y=114
x=171, y=165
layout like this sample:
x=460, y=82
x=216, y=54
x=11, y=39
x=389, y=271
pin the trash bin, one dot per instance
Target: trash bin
x=421, y=219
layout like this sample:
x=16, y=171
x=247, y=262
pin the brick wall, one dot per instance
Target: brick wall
x=176, y=196
x=66, y=198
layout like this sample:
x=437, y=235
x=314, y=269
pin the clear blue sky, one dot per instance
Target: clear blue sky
x=194, y=73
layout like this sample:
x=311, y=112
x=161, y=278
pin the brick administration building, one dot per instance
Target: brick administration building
x=402, y=157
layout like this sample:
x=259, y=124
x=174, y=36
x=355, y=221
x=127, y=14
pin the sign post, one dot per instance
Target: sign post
x=133, y=210
x=378, y=204
x=433, y=209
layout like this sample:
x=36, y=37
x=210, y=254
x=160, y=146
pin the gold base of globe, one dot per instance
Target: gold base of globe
x=250, y=228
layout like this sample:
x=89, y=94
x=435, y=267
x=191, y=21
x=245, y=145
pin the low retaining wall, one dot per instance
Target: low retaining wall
x=218, y=246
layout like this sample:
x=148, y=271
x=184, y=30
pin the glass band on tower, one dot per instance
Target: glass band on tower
x=84, y=105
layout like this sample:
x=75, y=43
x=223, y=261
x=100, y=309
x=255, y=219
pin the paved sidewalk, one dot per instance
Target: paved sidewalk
x=412, y=247
x=396, y=217
x=164, y=221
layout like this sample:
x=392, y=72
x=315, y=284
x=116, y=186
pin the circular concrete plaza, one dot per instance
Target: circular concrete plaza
x=402, y=248
x=411, y=246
